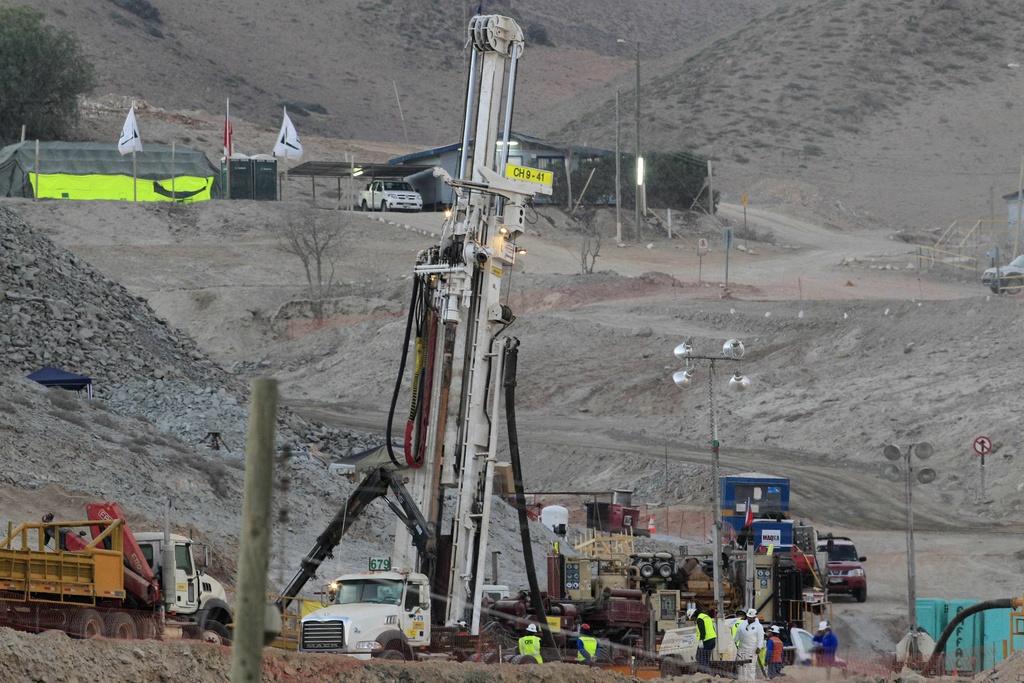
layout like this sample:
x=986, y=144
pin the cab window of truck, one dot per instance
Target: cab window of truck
x=183, y=558
x=147, y=552
x=397, y=186
x=412, y=596
x=841, y=552
x=376, y=591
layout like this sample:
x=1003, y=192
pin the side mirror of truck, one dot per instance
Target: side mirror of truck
x=862, y=559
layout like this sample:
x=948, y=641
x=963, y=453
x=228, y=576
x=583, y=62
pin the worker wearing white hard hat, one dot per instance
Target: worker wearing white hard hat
x=774, y=649
x=825, y=645
x=529, y=644
x=749, y=641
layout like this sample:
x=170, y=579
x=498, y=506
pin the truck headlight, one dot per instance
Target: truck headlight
x=856, y=572
x=368, y=645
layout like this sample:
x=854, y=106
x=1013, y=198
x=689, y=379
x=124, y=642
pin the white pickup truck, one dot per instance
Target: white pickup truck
x=378, y=614
x=390, y=195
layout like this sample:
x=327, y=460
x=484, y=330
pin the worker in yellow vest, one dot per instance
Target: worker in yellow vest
x=529, y=645
x=706, y=636
x=586, y=646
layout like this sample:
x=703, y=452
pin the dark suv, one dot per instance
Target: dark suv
x=845, y=571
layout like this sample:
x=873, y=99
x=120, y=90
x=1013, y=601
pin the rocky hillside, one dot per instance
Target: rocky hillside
x=892, y=111
x=334, y=63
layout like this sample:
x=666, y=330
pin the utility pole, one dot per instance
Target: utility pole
x=711, y=191
x=618, y=173
x=640, y=188
x=1020, y=207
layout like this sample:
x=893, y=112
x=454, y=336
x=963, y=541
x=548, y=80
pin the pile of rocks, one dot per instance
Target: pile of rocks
x=57, y=310
x=191, y=411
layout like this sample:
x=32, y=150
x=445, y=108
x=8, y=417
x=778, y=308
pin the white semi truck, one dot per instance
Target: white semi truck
x=381, y=614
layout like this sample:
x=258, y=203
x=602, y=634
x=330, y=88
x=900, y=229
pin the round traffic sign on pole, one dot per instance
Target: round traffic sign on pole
x=982, y=446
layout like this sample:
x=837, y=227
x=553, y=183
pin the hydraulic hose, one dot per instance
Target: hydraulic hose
x=940, y=647
x=511, y=358
x=401, y=369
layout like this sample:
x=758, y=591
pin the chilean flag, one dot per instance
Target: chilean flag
x=749, y=519
x=229, y=131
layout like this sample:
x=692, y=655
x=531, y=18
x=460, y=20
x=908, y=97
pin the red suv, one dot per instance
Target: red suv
x=845, y=571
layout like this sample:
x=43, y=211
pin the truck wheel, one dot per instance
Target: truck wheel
x=523, y=659
x=120, y=626
x=215, y=633
x=145, y=628
x=86, y=623
x=861, y=594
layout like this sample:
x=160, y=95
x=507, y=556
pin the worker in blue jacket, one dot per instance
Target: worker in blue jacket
x=825, y=645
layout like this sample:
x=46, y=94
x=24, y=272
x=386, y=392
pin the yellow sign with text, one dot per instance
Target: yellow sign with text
x=529, y=175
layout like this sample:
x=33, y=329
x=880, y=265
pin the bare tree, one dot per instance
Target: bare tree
x=316, y=244
x=590, y=238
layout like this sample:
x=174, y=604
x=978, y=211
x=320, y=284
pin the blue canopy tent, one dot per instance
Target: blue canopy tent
x=55, y=377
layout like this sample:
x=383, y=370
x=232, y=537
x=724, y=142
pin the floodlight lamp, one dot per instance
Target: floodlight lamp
x=684, y=350
x=682, y=378
x=733, y=348
x=923, y=450
x=521, y=251
x=447, y=213
x=926, y=475
x=739, y=382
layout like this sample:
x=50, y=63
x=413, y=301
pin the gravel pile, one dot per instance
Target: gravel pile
x=57, y=310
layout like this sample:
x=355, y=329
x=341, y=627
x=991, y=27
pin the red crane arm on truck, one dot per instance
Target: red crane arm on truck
x=139, y=579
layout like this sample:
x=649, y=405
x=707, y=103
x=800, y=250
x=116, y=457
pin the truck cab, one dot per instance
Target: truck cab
x=371, y=614
x=199, y=600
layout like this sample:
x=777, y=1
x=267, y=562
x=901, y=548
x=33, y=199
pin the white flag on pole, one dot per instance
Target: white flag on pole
x=288, y=145
x=130, y=140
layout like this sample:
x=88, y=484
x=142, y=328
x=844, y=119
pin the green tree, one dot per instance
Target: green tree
x=42, y=73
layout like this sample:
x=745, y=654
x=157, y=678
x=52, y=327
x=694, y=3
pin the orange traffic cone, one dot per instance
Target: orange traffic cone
x=651, y=529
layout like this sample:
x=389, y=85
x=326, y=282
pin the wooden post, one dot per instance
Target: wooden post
x=35, y=192
x=312, y=179
x=338, y=205
x=254, y=543
x=568, y=178
x=174, y=195
x=23, y=132
x=135, y=182
x=670, y=223
x=1020, y=207
x=351, y=181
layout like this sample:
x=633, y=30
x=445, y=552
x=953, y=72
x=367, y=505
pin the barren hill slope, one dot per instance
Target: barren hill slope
x=900, y=111
x=336, y=60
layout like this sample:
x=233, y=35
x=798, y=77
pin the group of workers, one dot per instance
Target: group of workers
x=754, y=647
x=586, y=645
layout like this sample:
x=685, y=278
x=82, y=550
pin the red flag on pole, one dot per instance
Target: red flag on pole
x=229, y=131
x=749, y=519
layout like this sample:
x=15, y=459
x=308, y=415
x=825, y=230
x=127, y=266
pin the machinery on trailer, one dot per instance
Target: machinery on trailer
x=442, y=474
x=93, y=577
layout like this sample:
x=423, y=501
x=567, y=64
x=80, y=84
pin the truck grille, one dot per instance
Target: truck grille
x=323, y=635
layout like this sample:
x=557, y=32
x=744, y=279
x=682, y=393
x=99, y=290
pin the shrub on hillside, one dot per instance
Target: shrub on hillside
x=42, y=73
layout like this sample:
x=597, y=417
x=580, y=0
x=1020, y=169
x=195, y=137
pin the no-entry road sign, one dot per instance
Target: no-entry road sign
x=982, y=446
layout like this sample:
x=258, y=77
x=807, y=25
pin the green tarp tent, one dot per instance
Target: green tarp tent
x=95, y=170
